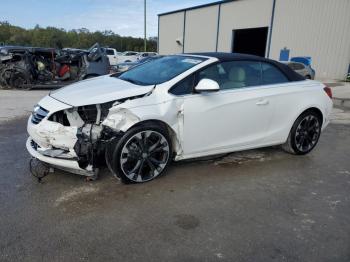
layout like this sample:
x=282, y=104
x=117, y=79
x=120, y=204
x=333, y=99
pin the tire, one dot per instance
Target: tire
x=308, y=77
x=142, y=154
x=18, y=81
x=304, y=134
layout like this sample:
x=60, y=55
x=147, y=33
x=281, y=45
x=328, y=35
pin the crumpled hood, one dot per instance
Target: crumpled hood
x=98, y=90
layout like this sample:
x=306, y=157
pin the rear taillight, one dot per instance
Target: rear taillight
x=328, y=91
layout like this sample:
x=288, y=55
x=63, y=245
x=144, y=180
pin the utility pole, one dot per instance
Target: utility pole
x=145, y=37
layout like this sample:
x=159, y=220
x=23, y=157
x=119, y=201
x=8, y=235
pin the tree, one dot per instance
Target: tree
x=76, y=38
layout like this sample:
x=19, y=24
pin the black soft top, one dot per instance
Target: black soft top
x=225, y=57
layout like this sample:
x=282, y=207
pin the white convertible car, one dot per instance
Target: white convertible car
x=177, y=107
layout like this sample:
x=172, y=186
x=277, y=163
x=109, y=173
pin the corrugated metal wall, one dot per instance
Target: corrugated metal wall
x=170, y=29
x=201, y=29
x=316, y=28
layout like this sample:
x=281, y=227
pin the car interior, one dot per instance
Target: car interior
x=233, y=75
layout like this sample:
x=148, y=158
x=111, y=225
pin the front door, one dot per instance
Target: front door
x=235, y=117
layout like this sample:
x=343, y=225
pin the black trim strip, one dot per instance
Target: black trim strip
x=184, y=32
x=218, y=28
x=158, y=37
x=271, y=28
x=197, y=7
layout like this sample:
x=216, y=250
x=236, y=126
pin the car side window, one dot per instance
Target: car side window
x=272, y=75
x=296, y=66
x=184, y=87
x=234, y=74
x=110, y=52
x=299, y=66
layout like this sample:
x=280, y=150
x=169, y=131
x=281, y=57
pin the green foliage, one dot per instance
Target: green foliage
x=77, y=38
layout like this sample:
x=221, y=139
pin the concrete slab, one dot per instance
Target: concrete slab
x=261, y=205
x=17, y=103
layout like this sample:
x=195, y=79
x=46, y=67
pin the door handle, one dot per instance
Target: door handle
x=262, y=102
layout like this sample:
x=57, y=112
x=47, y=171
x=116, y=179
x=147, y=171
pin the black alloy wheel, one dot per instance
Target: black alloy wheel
x=305, y=134
x=142, y=154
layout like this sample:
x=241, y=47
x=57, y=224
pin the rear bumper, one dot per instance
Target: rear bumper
x=69, y=165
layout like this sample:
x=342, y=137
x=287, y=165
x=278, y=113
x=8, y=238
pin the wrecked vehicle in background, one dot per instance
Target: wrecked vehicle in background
x=177, y=107
x=35, y=67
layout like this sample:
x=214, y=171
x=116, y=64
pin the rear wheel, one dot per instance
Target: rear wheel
x=305, y=134
x=142, y=154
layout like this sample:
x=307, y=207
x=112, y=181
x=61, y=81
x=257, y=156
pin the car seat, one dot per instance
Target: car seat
x=237, y=78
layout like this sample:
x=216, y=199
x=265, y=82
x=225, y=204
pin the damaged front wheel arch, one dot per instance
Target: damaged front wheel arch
x=171, y=132
x=141, y=154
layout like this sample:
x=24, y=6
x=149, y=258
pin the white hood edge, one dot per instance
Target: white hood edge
x=98, y=90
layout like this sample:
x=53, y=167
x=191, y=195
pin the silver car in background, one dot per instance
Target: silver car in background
x=305, y=70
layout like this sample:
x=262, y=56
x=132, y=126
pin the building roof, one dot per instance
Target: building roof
x=197, y=7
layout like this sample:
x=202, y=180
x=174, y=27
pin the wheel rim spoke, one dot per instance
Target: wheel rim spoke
x=152, y=167
x=156, y=162
x=137, y=171
x=307, y=133
x=136, y=167
x=139, y=141
x=154, y=146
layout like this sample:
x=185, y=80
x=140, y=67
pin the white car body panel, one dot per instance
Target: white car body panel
x=125, y=57
x=235, y=129
x=249, y=117
x=98, y=90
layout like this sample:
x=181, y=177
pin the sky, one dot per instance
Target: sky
x=124, y=17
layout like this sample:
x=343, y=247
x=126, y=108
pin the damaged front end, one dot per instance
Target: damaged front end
x=75, y=138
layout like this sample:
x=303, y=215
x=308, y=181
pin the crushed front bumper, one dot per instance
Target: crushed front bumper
x=69, y=165
x=51, y=142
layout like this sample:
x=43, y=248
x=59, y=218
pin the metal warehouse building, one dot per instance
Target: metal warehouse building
x=278, y=29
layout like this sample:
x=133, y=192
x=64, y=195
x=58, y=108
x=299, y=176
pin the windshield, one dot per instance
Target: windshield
x=160, y=70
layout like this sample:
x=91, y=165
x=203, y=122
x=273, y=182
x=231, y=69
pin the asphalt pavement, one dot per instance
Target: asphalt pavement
x=260, y=205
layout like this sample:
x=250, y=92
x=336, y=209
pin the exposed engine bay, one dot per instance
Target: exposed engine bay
x=32, y=67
